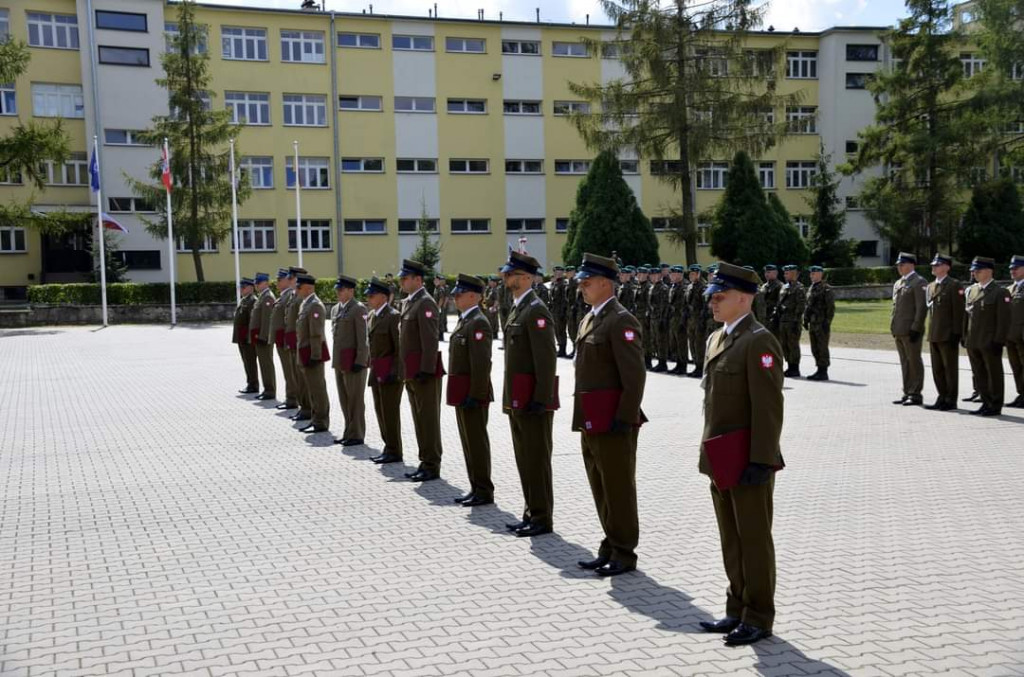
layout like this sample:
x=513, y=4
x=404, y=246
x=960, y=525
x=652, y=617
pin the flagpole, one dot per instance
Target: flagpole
x=99, y=225
x=298, y=204
x=171, y=245
x=234, y=226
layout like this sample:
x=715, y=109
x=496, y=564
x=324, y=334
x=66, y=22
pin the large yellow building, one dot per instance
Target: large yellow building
x=394, y=117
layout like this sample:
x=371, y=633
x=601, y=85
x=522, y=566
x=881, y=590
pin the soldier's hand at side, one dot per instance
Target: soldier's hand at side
x=620, y=426
x=536, y=408
x=356, y=368
x=469, y=403
x=422, y=376
x=915, y=336
x=995, y=345
x=755, y=474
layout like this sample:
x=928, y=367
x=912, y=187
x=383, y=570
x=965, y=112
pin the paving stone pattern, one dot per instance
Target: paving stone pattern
x=154, y=522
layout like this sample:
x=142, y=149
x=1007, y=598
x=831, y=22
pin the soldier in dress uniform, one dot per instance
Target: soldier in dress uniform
x=286, y=289
x=677, y=318
x=530, y=392
x=695, y=324
x=291, y=318
x=909, y=309
x=351, y=358
x=420, y=316
x=1015, y=333
x=986, y=325
x=396, y=295
x=610, y=362
x=818, y=315
x=945, y=300
x=240, y=335
x=469, y=381
x=572, y=320
x=559, y=307
x=770, y=291
x=441, y=297
x=386, y=370
x=789, y=314
x=261, y=336
x=743, y=391
x=311, y=340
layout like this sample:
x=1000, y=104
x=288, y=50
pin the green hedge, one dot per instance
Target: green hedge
x=844, y=277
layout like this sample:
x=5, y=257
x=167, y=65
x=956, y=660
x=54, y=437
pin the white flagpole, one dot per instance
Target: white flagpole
x=172, y=258
x=99, y=224
x=234, y=227
x=298, y=204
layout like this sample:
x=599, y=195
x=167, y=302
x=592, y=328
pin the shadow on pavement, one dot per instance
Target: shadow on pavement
x=833, y=382
x=559, y=553
x=324, y=439
x=673, y=609
x=359, y=452
x=776, y=656
x=439, y=492
x=6, y=333
x=491, y=517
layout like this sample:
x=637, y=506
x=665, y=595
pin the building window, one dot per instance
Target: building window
x=305, y=110
x=712, y=62
x=414, y=104
x=577, y=49
x=302, y=46
x=1017, y=174
x=171, y=34
x=74, y=172
x=802, y=119
x=248, y=108
x=666, y=167
x=572, y=166
x=524, y=225
x=562, y=225
x=148, y=259
x=703, y=234
x=800, y=174
x=123, y=137
x=472, y=45
x=661, y=224
x=243, y=44
x=852, y=147
x=802, y=65
x=413, y=43
x=629, y=166
x=712, y=175
x=366, y=226
x=314, y=172
x=522, y=108
x=365, y=165
x=803, y=226
x=766, y=174
x=569, y=107
x=5, y=24
x=611, y=50
x=57, y=101
x=862, y=52
x=468, y=166
x=130, y=204
x=207, y=245
x=12, y=240
x=9, y=177
x=416, y=166
x=468, y=106
x=524, y=166
x=124, y=56
x=371, y=103
x=471, y=225
x=765, y=116
x=406, y=226
x=316, y=235
x=8, y=99
x=525, y=47
x=858, y=80
x=256, y=235
x=259, y=169
x=867, y=248
x=973, y=64
x=121, y=21
x=59, y=31
x=359, y=40
x=1017, y=72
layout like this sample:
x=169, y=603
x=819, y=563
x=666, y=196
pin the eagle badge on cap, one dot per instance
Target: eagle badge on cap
x=767, y=361
x=479, y=336
x=541, y=322
x=629, y=335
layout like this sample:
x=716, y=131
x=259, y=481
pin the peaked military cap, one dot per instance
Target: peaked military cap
x=665, y=265
x=677, y=269
x=982, y=263
x=695, y=268
x=1016, y=261
x=597, y=266
x=524, y=262
x=282, y=272
x=558, y=268
x=346, y=282
x=305, y=278
x=570, y=269
x=295, y=270
x=629, y=269
x=816, y=269
x=905, y=257
x=410, y=267
x=942, y=259
x=466, y=283
x=261, y=277
x=729, y=276
x=771, y=266
x=790, y=267
x=375, y=286
x=245, y=282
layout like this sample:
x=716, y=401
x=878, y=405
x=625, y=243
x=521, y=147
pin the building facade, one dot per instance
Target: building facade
x=396, y=119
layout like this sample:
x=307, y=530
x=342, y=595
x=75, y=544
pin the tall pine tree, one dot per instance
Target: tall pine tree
x=827, y=218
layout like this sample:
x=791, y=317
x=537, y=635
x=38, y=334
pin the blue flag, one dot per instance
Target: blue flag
x=94, y=173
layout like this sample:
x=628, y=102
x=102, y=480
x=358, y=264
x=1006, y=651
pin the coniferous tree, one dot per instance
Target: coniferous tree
x=827, y=218
x=792, y=248
x=993, y=224
x=999, y=90
x=428, y=251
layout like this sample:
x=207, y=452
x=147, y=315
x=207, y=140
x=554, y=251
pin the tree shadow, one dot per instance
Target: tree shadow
x=777, y=656
x=673, y=609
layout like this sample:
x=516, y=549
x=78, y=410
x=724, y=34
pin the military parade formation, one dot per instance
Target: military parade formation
x=741, y=335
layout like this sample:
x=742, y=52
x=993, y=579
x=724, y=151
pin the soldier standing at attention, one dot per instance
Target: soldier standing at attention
x=351, y=357
x=386, y=370
x=261, y=335
x=291, y=318
x=541, y=290
x=695, y=325
x=677, y=319
x=1015, y=334
x=760, y=308
x=490, y=303
x=909, y=308
x=419, y=353
x=770, y=290
x=241, y=336
x=626, y=293
x=986, y=323
x=710, y=322
x=285, y=286
x=572, y=319
x=821, y=308
x=559, y=307
x=441, y=297
x=504, y=304
x=313, y=353
x=946, y=308
x=610, y=361
x=660, y=312
x=743, y=391
x=642, y=305
x=469, y=381
x=530, y=392
x=789, y=313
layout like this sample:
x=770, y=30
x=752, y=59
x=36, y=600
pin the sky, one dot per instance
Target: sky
x=784, y=15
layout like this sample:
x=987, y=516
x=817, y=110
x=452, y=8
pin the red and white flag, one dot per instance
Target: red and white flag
x=165, y=170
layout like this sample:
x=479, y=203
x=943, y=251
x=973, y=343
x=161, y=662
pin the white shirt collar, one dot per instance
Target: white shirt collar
x=730, y=327
x=381, y=309
x=597, y=309
x=939, y=280
x=909, y=275
x=519, y=299
x=987, y=283
x=466, y=313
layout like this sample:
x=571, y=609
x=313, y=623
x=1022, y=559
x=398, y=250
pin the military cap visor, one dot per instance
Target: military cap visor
x=261, y=277
x=1017, y=261
x=282, y=272
x=520, y=262
x=816, y=269
x=695, y=268
x=771, y=266
x=245, y=282
x=939, y=260
x=677, y=269
x=790, y=267
x=729, y=276
x=982, y=263
x=412, y=268
x=468, y=283
x=597, y=266
x=375, y=286
x=295, y=270
x=904, y=257
x=305, y=278
x=346, y=282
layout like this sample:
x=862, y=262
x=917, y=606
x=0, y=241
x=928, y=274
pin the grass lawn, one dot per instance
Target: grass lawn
x=862, y=317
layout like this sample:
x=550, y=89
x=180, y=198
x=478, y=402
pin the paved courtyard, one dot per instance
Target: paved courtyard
x=154, y=522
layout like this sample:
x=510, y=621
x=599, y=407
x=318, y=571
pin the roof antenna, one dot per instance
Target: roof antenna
x=435, y=11
x=588, y=19
x=430, y=13
x=538, y=15
x=501, y=16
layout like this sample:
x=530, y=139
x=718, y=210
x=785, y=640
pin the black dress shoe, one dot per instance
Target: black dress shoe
x=284, y=406
x=301, y=416
x=592, y=564
x=422, y=476
x=1017, y=403
x=249, y=391
x=386, y=458
x=516, y=526
x=477, y=500
x=991, y=412
x=338, y=440
x=266, y=396
x=310, y=429
x=901, y=400
x=913, y=401
x=463, y=499
x=973, y=397
x=745, y=634
x=938, y=404
x=613, y=568
x=352, y=442
x=533, y=530
x=947, y=406
x=979, y=412
x=722, y=625
x=696, y=373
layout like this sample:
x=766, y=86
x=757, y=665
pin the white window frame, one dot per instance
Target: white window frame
x=703, y=234
x=661, y=224
x=260, y=171
x=465, y=106
x=562, y=224
x=469, y=166
x=314, y=231
x=366, y=165
x=433, y=226
x=802, y=119
x=348, y=227
x=415, y=104
x=472, y=226
x=572, y=167
x=766, y=174
x=516, y=47
x=359, y=39
x=136, y=205
x=665, y=167
x=257, y=235
x=465, y=45
x=629, y=167
x=208, y=246
x=972, y=63
x=572, y=50
x=800, y=174
x=802, y=225
x=420, y=165
x=564, y=108
x=73, y=172
x=712, y=175
x=241, y=104
x=306, y=106
x=60, y=30
x=58, y=101
x=416, y=43
x=10, y=178
x=802, y=65
x=10, y=239
x=524, y=225
x=243, y=38
x=524, y=167
x=850, y=78
x=713, y=61
x=310, y=46
x=8, y=99
x=519, y=104
x=171, y=31
x=314, y=172
x=365, y=103
x=5, y=23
